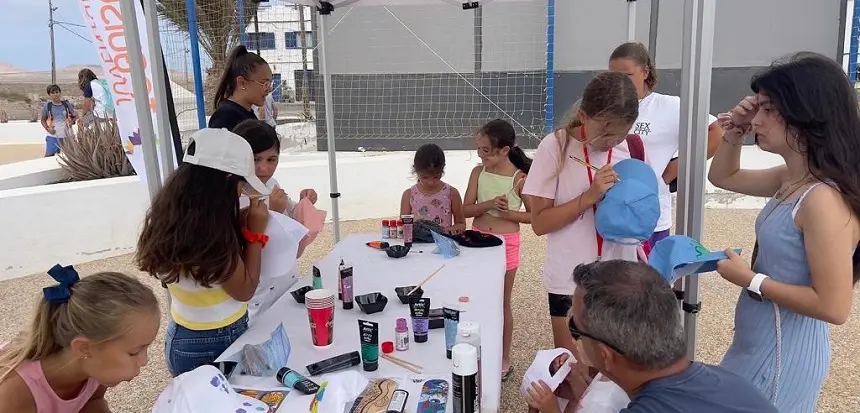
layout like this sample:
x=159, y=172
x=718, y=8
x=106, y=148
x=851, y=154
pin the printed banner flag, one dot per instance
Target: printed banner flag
x=105, y=20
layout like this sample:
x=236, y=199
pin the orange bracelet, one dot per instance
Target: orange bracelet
x=255, y=238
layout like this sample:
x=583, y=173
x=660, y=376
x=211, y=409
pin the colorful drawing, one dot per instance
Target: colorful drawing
x=273, y=400
x=315, y=403
x=434, y=396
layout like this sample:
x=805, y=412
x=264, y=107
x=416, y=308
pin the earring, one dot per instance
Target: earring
x=86, y=356
x=244, y=88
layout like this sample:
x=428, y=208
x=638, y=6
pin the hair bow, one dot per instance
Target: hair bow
x=66, y=277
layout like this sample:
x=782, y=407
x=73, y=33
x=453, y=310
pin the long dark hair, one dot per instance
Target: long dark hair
x=192, y=228
x=85, y=76
x=815, y=99
x=638, y=53
x=502, y=134
x=240, y=62
x=259, y=134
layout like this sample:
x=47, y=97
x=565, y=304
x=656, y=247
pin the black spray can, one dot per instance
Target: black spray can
x=464, y=379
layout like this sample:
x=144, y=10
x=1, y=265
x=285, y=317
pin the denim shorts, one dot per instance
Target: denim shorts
x=186, y=350
x=52, y=145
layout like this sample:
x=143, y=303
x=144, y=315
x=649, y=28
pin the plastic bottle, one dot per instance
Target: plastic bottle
x=400, y=228
x=385, y=229
x=469, y=332
x=401, y=335
x=392, y=228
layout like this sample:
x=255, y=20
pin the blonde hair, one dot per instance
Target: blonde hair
x=610, y=96
x=98, y=309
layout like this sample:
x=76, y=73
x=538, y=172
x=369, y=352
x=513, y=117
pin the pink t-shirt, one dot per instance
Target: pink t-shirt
x=576, y=242
x=46, y=399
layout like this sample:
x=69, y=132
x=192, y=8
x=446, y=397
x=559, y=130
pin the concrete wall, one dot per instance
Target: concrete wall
x=393, y=91
x=78, y=222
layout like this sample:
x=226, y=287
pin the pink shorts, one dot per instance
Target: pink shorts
x=512, y=247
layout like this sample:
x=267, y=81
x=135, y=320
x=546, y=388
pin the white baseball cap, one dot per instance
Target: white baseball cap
x=205, y=389
x=225, y=151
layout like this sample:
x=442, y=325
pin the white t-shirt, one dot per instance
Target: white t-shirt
x=268, y=111
x=99, y=99
x=659, y=125
x=576, y=242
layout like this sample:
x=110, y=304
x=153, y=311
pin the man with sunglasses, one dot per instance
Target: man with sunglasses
x=631, y=331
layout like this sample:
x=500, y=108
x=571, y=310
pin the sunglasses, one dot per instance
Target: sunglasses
x=577, y=334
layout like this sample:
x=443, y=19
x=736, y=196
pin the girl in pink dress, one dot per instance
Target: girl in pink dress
x=431, y=199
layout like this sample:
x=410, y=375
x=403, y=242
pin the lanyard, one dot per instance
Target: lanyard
x=590, y=182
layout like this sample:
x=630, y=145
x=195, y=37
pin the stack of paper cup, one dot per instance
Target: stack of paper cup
x=320, y=305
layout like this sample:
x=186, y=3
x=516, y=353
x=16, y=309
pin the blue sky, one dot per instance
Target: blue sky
x=26, y=42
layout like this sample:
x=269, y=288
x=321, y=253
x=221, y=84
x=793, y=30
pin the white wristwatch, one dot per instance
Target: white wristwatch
x=754, y=289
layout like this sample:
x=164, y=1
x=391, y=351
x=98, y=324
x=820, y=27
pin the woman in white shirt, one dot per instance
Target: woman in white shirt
x=658, y=124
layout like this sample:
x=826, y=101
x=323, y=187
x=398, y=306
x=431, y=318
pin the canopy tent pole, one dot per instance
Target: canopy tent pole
x=325, y=8
x=631, y=20
x=696, y=66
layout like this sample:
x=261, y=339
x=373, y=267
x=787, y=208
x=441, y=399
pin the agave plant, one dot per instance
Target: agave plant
x=34, y=113
x=95, y=153
x=4, y=117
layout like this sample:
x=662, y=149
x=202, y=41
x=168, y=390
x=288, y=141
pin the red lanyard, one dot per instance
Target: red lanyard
x=590, y=182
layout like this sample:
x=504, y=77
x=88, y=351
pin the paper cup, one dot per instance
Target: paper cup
x=320, y=306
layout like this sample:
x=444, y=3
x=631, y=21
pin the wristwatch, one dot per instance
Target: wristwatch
x=754, y=289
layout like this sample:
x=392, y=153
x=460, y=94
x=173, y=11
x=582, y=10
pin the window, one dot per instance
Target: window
x=294, y=40
x=263, y=41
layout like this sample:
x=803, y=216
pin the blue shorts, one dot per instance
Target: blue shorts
x=188, y=349
x=52, y=145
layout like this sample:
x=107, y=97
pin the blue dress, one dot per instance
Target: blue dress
x=784, y=354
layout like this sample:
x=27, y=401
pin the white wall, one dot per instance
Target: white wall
x=68, y=223
x=31, y=173
x=84, y=221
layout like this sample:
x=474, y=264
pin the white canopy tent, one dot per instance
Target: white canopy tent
x=696, y=68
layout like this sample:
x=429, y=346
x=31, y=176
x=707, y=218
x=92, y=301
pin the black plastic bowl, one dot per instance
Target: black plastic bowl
x=299, y=294
x=402, y=291
x=397, y=251
x=371, y=303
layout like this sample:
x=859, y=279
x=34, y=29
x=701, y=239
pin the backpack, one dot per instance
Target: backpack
x=50, y=105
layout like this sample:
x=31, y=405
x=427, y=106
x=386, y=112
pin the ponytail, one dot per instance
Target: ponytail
x=638, y=53
x=240, y=62
x=37, y=344
x=518, y=157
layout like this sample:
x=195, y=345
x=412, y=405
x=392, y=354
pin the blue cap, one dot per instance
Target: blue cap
x=630, y=210
x=679, y=256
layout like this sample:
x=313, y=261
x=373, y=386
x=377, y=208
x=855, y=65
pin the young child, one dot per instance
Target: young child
x=266, y=146
x=204, y=249
x=58, y=116
x=87, y=335
x=245, y=83
x=431, y=199
x=563, y=193
x=494, y=199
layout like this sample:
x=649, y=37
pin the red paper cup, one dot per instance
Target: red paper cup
x=320, y=305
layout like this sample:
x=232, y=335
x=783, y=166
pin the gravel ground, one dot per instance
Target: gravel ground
x=723, y=228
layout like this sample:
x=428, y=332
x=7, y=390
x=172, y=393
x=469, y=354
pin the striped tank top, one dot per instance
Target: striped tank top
x=199, y=308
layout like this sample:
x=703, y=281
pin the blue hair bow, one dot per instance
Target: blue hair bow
x=66, y=277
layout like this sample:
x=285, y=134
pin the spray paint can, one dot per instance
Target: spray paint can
x=464, y=379
x=469, y=332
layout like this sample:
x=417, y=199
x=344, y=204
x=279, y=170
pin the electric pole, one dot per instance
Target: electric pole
x=51, y=10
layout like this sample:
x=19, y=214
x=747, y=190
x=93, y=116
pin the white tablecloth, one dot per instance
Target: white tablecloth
x=476, y=273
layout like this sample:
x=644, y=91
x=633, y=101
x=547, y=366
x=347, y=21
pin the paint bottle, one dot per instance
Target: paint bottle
x=398, y=401
x=469, y=332
x=294, y=380
x=464, y=379
x=340, y=284
x=419, y=309
x=369, y=334
x=400, y=228
x=316, y=277
x=401, y=335
x=385, y=229
x=346, y=285
x=408, y=221
x=336, y=363
x=451, y=314
x=392, y=229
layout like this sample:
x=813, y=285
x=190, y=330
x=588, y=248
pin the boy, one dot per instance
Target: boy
x=58, y=116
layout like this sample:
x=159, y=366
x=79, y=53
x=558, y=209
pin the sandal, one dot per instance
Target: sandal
x=506, y=374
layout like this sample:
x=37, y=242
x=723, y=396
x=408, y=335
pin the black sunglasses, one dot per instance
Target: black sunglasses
x=578, y=334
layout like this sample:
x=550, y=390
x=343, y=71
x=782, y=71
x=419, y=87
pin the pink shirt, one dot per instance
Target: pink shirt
x=435, y=207
x=46, y=399
x=576, y=242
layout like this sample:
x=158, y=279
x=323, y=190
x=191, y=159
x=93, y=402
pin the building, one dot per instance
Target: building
x=283, y=36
